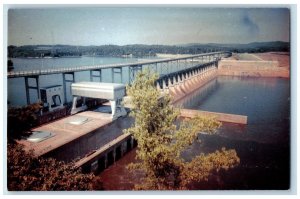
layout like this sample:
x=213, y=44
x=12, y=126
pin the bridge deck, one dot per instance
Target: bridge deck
x=14, y=74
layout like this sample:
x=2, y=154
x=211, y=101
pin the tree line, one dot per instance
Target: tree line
x=140, y=50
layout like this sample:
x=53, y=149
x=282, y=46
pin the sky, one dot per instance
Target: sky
x=146, y=25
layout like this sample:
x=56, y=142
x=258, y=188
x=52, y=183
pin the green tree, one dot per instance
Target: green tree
x=25, y=172
x=161, y=141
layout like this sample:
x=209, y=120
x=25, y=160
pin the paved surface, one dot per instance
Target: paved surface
x=64, y=132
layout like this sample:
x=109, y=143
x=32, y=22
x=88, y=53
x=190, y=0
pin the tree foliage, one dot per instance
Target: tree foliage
x=26, y=172
x=140, y=50
x=161, y=142
x=20, y=120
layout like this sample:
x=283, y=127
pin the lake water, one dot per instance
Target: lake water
x=263, y=145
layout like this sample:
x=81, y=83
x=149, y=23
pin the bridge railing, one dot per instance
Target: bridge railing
x=161, y=66
x=13, y=74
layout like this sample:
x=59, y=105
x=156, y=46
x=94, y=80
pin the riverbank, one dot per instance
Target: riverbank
x=283, y=58
x=256, y=65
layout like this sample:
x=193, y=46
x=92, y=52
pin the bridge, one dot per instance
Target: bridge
x=169, y=70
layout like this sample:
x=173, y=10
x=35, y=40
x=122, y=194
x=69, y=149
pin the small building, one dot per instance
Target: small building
x=110, y=91
x=127, y=55
x=52, y=97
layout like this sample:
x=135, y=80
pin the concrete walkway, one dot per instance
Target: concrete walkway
x=64, y=132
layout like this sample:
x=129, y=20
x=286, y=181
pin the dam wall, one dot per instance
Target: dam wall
x=180, y=89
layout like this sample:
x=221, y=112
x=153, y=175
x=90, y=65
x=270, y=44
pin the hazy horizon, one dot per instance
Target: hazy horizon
x=146, y=26
x=183, y=44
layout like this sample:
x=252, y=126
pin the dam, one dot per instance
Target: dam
x=188, y=87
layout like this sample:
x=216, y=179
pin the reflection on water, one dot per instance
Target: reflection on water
x=266, y=102
x=193, y=99
x=263, y=145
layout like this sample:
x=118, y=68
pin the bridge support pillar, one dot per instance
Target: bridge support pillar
x=117, y=70
x=133, y=70
x=93, y=75
x=28, y=87
x=65, y=81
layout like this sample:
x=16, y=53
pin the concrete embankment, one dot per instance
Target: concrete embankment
x=222, y=117
x=115, y=148
x=252, y=68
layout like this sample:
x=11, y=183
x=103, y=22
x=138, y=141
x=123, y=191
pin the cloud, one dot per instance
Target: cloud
x=250, y=26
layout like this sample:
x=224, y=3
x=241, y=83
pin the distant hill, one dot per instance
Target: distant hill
x=250, y=47
x=140, y=50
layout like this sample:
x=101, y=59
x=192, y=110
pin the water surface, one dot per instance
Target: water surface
x=263, y=145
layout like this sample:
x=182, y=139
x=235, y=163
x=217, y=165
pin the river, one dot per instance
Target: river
x=263, y=145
